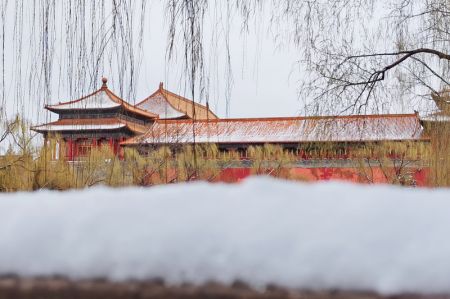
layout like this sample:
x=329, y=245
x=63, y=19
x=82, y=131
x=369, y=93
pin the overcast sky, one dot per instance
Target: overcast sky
x=264, y=75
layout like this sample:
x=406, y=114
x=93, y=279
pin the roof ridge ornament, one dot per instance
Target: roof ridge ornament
x=161, y=85
x=104, y=85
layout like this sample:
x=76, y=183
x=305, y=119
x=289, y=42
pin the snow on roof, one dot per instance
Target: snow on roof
x=89, y=125
x=169, y=105
x=327, y=236
x=100, y=99
x=158, y=104
x=78, y=127
x=285, y=130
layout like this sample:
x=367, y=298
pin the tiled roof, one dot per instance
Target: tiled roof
x=284, y=130
x=100, y=99
x=169, y=105
x=158, y=104
x=97, y=100
x=89, y=125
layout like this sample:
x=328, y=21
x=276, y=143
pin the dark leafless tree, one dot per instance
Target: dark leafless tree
x=356, y=55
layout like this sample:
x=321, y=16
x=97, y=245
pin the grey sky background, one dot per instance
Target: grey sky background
x=264, y=74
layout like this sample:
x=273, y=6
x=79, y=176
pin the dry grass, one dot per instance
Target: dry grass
x=398, y=162
x=33, y=170
x=440, y=155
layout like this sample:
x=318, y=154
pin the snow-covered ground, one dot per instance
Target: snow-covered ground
x=320, y=236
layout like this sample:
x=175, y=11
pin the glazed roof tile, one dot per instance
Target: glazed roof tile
x=90, y=125
x=158, y=104
x=284, y=130
x=98, y=100
x=169, y=105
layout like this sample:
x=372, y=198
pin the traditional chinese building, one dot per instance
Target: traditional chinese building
x=325, y=147
x=167, y=119
x=102, y=118
x=289, y=132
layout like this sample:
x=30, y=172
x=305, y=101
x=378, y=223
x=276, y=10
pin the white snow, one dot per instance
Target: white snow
x=395, y=127
x=159, y=105
x=79, y=127
x=321, y=236
x=99, y=100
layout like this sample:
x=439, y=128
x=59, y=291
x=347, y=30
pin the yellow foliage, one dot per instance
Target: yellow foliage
x=397, y=160
x=270, y=160
x=439, y=154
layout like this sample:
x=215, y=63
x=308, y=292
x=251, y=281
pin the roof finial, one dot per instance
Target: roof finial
x=104, y=80
x=161, y=86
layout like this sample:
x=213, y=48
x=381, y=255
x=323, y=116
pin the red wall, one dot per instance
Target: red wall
x=324, y=174
x=73, y=146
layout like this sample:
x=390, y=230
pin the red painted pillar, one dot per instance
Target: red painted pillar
x=70, y=149
x=74, y=149
x=121, y=153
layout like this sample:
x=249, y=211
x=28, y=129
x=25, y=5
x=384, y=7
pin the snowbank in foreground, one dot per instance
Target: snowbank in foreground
x=327, y=235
